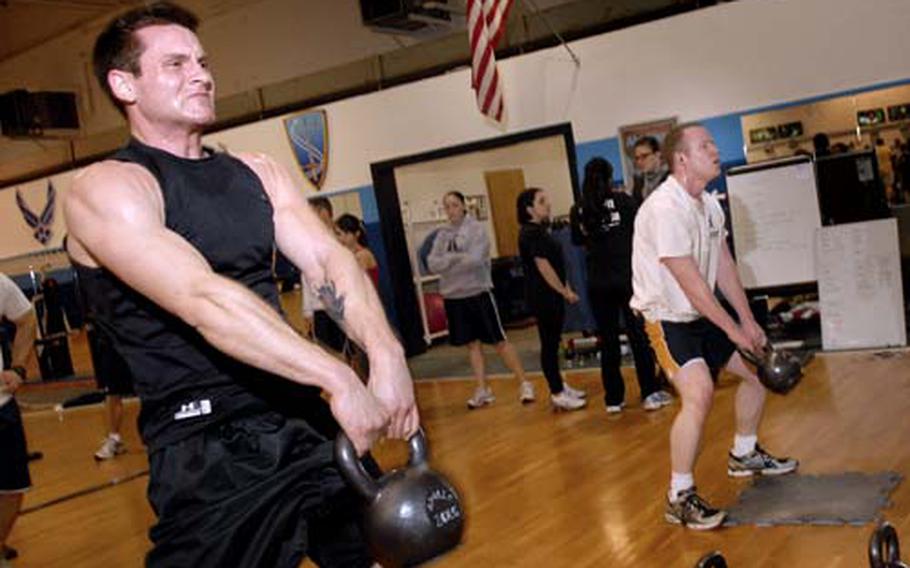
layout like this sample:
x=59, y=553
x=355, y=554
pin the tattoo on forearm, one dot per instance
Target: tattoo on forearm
x=332, y=301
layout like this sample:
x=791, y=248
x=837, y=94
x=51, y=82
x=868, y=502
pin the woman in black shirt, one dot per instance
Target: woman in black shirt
x=603, y=223
x=547, y=289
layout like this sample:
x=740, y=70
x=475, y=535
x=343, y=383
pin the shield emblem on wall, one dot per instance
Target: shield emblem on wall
x=308, y=134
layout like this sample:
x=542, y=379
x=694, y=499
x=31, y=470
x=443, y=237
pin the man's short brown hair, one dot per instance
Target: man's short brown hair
x=674, y=142
x=118, y=48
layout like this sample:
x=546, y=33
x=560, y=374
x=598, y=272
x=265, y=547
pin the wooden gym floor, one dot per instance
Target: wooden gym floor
x=544, y=489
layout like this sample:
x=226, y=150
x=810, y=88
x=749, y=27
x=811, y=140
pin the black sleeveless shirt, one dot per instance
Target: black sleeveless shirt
x=219, y=206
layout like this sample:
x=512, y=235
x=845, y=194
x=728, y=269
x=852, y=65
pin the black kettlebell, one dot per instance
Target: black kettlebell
x=778, y=369
x=413, y=513
x=884, y=549
x=712, y=560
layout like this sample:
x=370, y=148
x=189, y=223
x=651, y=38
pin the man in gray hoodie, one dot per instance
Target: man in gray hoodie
x=461, y=257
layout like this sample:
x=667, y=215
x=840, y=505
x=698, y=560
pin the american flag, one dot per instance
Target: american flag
x=486, y=23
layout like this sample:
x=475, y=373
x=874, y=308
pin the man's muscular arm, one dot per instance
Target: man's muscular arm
x=345, y=289
x=115, y=215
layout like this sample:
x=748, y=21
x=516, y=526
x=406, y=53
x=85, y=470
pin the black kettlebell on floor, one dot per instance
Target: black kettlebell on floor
x=712, y=560
x=884, y=549
x=413, y=513
x=778, y=369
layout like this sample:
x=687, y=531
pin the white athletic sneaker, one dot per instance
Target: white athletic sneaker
x=110, y=448
x=572, y=391
x=615, y=408
x=482, y=397
x=656, y=400
x=563, y=401
x=526, y=392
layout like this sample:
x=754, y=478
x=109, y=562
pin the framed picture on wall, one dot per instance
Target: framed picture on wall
x=629, y=135
x=899, y=112
x=871, y=117
x=790, y=130
x=476, y=205
x=763, y=134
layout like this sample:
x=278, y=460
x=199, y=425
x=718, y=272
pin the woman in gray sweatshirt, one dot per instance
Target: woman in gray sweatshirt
x=461, y=257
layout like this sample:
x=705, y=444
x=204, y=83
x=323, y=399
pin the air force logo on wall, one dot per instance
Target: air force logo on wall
x=309, y=137
x=41, y=224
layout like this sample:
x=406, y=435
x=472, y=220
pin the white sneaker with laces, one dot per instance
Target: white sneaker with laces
x=526, y=392
x=111, y=447
x=563, y=401
x=760, y=462
x=482, y=397
x=691, y=511
x=572, y=391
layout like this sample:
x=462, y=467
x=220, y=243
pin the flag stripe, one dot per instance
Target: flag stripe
x=486, y=25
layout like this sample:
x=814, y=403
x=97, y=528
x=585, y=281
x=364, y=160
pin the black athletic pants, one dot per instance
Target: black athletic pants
x=608, y=303
x=257, y=491
x=550, y=316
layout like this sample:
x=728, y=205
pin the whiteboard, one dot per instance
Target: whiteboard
x=859, y=285
x=774, y=214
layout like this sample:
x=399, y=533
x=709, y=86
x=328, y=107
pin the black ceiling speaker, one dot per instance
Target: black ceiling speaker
x=405, y=16
x=44, y=113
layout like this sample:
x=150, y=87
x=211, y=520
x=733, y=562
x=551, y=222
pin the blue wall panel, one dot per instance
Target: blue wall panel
x=377, y=246
x=607, y=148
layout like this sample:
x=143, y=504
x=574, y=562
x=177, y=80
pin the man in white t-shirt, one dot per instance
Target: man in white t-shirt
x=679, y=256
x=14, y=477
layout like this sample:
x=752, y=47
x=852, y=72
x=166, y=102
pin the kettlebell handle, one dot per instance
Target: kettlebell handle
x=884, y=550
x=420, y=453
x=712, y=560
x=756, y=358
x=356, y=475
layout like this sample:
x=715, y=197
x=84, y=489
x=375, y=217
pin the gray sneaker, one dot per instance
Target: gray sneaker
x=656, y=400
x=691, y=511
x=664, y=397
x=759, y=462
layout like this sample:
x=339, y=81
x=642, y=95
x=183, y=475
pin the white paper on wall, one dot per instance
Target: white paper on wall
x=859, y=285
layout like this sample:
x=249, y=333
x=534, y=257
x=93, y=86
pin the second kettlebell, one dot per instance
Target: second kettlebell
x=413, y=513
